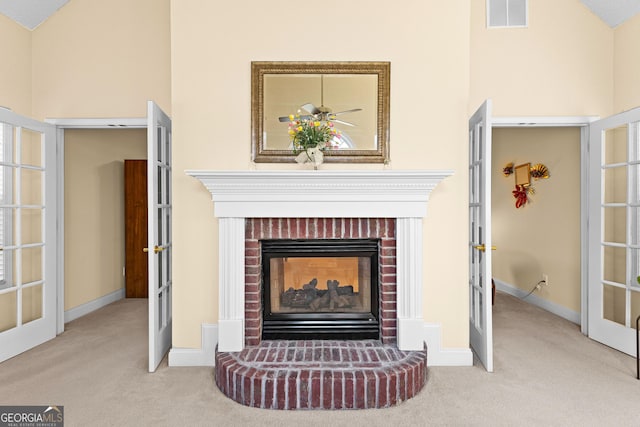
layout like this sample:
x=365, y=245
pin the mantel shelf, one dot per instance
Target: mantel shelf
x=248, y=194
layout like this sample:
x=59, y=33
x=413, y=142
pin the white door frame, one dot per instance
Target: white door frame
x=581, y=122
x=61, y=125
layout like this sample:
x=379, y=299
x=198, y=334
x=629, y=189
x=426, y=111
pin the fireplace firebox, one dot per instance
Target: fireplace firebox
x=320, y=289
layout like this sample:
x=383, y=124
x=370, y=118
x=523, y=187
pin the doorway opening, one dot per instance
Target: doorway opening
x=542, y=237
x=94, y=215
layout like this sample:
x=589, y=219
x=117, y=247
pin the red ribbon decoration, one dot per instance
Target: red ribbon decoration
x=520, y=193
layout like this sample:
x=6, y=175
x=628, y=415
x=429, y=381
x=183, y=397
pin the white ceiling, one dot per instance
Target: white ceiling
x=31, y=13
x=613, y=12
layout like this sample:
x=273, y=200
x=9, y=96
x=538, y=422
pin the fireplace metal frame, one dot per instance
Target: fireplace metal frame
x=343, y=326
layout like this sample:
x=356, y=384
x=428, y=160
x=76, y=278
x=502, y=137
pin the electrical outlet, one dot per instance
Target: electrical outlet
x=545, y=278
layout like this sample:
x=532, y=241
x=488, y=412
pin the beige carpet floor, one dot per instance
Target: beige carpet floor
x=546, y=374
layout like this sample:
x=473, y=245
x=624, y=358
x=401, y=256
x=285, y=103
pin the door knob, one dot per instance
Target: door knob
x=156, y=249
x=483, y=248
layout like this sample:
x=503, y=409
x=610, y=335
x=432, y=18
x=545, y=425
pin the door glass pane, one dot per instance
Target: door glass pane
x=615, y=225
x=8, y=311
x=169, y=272
x=31, y=148
x=635, y=307
x=159, y=144
x=634, y=232
x=167, y=184
x=161, y=239
x=635, y=268
x=160, y=264
x=169, y=303
x=615, y=145
x=167, y=150
x=31, y=303
x=481, y=308
x=7, y=268
x=31, y=186
x=11, y=193
x=613, y=303
x=160, y=184
x=480, y=141
x=31, y=225
x=472, y=148
x=634, y=184
x=31, y=265
x=615, y=185
x=614, y=267
x=5, y=145
x=7, y=219
x=472, y=300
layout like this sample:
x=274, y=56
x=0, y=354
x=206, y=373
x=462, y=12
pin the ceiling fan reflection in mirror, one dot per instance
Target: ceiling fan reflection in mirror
x=321, y=113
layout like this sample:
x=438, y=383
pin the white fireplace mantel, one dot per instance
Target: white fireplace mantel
x=320, y=194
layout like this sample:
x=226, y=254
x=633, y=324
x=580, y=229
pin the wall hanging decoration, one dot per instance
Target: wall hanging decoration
x=523, y=174
x=353, y=95
x=539, y=171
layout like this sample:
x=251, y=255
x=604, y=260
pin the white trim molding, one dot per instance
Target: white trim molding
x=533, y=299
x=438, y=356
x=205, y=356
x=402, y=195
x=86, y=308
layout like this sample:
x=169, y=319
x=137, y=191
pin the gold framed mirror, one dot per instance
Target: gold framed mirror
x=355, y=95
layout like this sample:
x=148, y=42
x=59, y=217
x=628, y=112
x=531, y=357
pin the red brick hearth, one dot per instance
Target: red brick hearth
x=321, y=374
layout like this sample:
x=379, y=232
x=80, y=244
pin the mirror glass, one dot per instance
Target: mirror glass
x=353, y=95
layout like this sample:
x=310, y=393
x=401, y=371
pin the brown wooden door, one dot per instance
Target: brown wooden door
x=135, y=216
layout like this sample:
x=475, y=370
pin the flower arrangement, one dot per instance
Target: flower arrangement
x=310, y=137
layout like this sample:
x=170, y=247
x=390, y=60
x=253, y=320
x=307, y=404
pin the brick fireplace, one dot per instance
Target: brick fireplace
x=255, y=205
x=258, y=229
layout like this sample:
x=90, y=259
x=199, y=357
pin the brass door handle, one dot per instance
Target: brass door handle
x=484, y=248
x=156, y=249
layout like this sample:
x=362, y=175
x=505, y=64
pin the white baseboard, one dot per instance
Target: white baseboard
x=544, y=304
x=88, y=307
x=438, y=356
x=205, y=356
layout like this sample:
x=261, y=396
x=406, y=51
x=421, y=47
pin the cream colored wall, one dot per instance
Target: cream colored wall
x=627, y=65
x=15, y=75
x=213, y=44
x=94, y=210
x=562, y=64
x=97, y=58
x=543, y=237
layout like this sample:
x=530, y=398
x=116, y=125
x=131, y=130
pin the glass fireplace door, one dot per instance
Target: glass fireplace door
x=320, y=288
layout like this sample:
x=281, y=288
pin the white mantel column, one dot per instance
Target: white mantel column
x=231, y=284
x=409, y=283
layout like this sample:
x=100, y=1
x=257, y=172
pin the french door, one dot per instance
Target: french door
x=27, y=233
x=480, y=315
x=159, y=246
x=614, y=230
